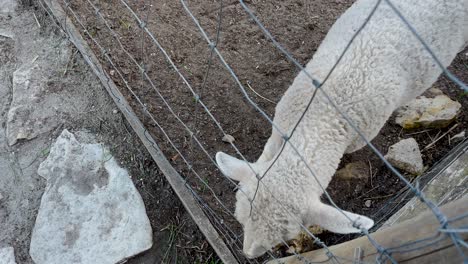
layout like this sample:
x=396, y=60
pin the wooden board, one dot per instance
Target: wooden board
x=172, y=176
x=423, y=226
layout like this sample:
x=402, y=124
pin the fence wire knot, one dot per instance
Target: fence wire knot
x=316, y=83
x=383, y=251
x=103, y=50
x=442, y=219
x=142, y=69
x=212, y=45
x=356, y=225
x=191, y=134
x=259, y=178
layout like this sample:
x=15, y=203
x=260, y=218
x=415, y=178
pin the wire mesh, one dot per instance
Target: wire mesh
x=100, y=29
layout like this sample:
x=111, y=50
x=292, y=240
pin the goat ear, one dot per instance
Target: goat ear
x=233, y=168
x=338, y=221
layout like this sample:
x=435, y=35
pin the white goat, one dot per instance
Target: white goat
x=384, y=68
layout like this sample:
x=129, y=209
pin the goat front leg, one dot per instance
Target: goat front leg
x=337, y=221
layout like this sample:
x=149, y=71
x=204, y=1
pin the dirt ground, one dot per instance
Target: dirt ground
x=299, y=26
x=27, y=35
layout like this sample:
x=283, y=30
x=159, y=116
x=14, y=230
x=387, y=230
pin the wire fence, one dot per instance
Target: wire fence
x=131, y=69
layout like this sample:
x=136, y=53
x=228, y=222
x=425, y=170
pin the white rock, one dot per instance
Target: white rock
x=90, y=211
x=405, y=155
x=368, y=203
x=437, y=112
x=7, y=255
x=228, y=138
x=114, y=111
x=459, y=136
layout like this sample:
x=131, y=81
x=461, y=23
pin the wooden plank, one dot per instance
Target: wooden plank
x=423, y=226
x=444, y=255
x=172, y=176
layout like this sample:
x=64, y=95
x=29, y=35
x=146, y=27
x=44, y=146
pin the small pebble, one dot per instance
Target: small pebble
x=114, y=111
x=1, y=196
x=458, y=136
x=368, y=203
x=228, y=138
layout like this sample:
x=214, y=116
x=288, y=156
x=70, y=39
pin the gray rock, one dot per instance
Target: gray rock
x=228, y=138
x=7, y=255
x=405, y=155
x=90, y=211
x=7, y=6
x=354, y=171
x=1, y=197
x=437, y=112
x=37, y=104
x=26, y=117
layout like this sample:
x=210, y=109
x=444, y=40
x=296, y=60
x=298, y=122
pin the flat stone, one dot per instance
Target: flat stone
x=437, y=112
x=24, y=120
x=228, y=138
x=7, y=255
x=7, y=6
x=354, y=171
x=90, y=211
x=405, y=155
x=37, y=105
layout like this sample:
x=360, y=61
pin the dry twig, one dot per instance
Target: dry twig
x=259, y=95
x=439, y=138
